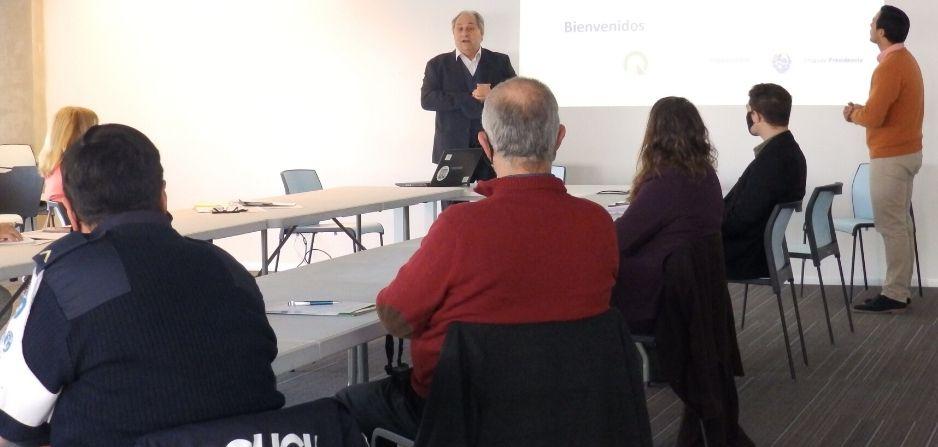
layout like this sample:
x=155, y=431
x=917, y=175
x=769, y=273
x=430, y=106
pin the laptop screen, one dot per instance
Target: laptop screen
x=559, y=172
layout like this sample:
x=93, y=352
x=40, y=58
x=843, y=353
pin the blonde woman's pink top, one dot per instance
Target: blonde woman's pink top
x=54, y=190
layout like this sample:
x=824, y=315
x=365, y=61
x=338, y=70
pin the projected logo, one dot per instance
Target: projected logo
x=636, y=63
x=781, y=62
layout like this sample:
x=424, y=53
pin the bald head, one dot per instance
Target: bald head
x=521, y=120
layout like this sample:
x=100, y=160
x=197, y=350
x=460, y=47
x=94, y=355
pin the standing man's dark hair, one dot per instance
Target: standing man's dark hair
x=894, y=22
x=772, y=101
x=117, y=169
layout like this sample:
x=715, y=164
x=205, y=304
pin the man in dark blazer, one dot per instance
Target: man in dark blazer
x=776, y=175
x=456, y=83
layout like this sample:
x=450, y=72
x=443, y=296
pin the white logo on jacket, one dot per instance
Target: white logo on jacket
x=290, y=440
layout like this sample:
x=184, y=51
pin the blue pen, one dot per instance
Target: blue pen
x=312, y=303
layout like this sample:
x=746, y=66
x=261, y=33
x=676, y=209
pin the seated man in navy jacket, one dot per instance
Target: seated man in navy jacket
x=776, y=175
x=128, y=327
x=456, y=83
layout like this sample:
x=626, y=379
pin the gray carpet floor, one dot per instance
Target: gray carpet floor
x=875, y=387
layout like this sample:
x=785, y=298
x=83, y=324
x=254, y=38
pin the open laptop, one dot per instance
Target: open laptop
x=458, y=167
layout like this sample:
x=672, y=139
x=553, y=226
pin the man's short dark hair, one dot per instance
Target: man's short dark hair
x=772, y=101
x=894, y=22
x=112, y=169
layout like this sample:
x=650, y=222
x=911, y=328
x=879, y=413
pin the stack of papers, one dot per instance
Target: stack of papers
x=616, y=210
x=266, y=204
x=335, y=308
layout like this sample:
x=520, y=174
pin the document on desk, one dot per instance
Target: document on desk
x=332, y=308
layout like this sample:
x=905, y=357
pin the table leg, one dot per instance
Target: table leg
x=362, y=355
x=353, y=366
x=405, y=224
x=358, y=229
x=263, y=252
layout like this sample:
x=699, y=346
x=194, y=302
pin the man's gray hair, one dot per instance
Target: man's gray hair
x=480, y=22
x=521, y=120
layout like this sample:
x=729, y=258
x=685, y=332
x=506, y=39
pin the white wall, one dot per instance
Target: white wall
x=232, y=92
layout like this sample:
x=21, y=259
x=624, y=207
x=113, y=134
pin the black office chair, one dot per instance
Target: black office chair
x=323, y=422
x=558, y=383
x=21, y=188
x=694, y=348
x=780, y=271
x=822, y=243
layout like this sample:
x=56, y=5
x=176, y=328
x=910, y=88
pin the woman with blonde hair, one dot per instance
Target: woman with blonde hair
x=70, y=124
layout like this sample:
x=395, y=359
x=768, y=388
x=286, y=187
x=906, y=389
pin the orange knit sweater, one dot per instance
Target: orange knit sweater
x=894, y=112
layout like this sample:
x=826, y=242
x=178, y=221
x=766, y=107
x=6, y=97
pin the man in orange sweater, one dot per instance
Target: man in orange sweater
x=893, y=117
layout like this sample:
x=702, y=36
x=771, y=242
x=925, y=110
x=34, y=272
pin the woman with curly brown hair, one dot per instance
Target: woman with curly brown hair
x=675, y=199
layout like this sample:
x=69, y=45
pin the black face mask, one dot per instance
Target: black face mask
x=749, y=123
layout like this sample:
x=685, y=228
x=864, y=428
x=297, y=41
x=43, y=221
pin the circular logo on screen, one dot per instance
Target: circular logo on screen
x=7, y=341
x=781, y=62
x=636, y=63
x=20, y=307
x=442, y=173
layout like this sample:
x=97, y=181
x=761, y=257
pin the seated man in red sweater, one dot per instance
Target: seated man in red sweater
x=527, y=253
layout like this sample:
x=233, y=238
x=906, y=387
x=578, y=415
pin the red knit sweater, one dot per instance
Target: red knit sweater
x=528, y=253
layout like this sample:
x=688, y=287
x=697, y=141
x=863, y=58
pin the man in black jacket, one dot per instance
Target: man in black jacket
x=777, y=175
x=456, y=83
x=127, y=327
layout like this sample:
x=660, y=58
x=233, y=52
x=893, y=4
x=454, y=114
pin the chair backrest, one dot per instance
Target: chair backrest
x=776, y=250
x=16, y=155
x=557, y=383
x=860, y=193
x=20, y=191
x=323, y=422
x=559, y=172
x=818, y=219
x=300, y=180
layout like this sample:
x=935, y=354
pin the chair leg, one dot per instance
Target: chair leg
x=277, y=263
x=847, y=300
x=742, y=324
x=830, y=330
x=866, y=284
x=781, y=314
x=794, y=300
x=853, y=263
x=804, y=240
x=801, y=291
x=918, y=267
